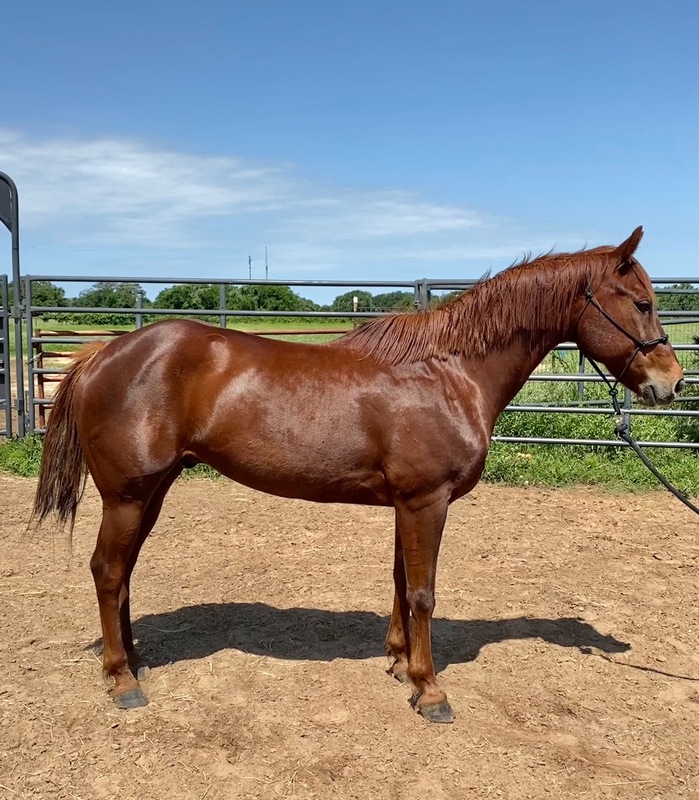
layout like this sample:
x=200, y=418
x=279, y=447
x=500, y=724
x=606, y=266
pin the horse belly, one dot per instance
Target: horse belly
x=291, y=455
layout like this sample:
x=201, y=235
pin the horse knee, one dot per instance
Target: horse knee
x=421, y=600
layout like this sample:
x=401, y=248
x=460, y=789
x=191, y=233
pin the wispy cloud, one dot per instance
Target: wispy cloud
x=126, y=191
x=379, y=214
x=129, y=193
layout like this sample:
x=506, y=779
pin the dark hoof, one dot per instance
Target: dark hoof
x=143, y=673
x=133, y=699
x=438, y=712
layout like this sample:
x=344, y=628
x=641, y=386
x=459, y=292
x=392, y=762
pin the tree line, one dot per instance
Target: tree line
x=203, y=297
x=265, y=297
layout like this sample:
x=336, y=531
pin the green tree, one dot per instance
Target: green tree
x=679, y=301
x=203, y=296
x=345, y=302
x=394, y=301
x=207, y=297
x=268, y=297
x=44, y=293
x=108, y=294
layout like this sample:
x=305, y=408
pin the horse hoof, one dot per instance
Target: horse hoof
x=437, y=712
x=133, y=699
x=143, y=673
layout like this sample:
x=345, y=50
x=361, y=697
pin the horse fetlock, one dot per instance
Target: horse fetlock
x=398, y=668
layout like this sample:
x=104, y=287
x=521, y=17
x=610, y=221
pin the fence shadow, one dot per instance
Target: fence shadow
x=194, y=632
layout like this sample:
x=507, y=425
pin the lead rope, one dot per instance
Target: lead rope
x=621, y=429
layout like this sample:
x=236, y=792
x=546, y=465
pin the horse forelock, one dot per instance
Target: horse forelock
x=532, y=295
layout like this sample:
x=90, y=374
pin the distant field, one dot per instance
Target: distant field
x=277, y=327
x=271, y=326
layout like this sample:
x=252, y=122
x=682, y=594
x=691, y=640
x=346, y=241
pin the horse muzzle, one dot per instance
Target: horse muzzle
x=659, y=392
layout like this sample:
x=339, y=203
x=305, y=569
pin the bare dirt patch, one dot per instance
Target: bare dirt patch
x=566, y=638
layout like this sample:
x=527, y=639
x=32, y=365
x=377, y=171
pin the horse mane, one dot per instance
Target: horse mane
x=532, y=295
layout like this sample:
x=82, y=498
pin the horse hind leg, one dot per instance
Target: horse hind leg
x=137, y=665
x=397, y=642
x=118, y=534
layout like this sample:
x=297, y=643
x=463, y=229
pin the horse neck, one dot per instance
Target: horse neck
x=508, y=369
x=520, y=317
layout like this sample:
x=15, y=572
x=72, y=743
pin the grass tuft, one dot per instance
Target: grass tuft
x=22, y=456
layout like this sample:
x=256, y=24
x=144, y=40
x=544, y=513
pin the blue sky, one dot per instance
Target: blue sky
x=363, y=140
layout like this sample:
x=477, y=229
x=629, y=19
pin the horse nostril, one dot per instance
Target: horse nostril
x=679, y=386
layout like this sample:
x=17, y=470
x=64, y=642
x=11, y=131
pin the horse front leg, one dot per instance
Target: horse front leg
x=421, y=529
x=397, y=642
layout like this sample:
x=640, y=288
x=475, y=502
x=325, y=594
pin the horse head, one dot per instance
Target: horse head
x=618, y=324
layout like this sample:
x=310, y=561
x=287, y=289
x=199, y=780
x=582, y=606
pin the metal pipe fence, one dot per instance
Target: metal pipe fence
x=564, y=368
x=5, y=372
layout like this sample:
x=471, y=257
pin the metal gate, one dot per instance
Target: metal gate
x=5, y=399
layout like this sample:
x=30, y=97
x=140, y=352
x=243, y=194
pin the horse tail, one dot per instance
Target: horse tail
x=63, y=470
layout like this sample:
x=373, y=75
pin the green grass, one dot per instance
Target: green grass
x=609, y=468
x=682, y=334
x=21, y=456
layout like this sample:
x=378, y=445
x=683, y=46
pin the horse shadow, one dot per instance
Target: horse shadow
x=195, y=632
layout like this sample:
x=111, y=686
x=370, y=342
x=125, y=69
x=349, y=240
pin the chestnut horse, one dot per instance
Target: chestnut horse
x=397, y=413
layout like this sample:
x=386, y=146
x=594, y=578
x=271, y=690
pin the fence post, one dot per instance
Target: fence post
x=139, y=306
x=422, y=290
x=10, y=218
x=30, y=409
x=581, y=384
x=222, y=303
x=5, y=380
x=626, y=410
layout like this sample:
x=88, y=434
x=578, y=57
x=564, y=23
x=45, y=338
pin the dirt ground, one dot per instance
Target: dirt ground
x=565, y=636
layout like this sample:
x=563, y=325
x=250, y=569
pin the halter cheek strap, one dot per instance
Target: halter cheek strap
x=641, y=344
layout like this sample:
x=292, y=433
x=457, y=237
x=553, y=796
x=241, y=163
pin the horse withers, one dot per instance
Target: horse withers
x=398, y=412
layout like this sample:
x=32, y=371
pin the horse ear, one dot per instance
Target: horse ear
x=623, y=253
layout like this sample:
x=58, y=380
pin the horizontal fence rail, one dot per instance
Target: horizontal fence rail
x=564, y=368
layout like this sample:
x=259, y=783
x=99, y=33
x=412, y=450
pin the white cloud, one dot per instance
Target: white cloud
x=109, y=194
x=121, y=190
x=380, y=214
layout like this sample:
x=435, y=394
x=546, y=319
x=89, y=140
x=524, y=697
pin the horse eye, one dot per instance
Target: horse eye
x=644, y=306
